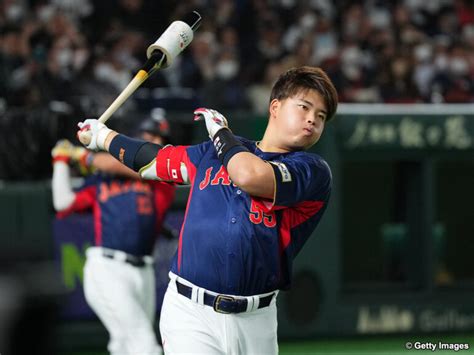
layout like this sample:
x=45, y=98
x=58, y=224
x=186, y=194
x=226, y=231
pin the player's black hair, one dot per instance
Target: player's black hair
x=303, y=78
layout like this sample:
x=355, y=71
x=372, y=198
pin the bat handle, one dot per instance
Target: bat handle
x=139, y=78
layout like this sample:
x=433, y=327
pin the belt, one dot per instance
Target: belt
x=224, y=303
x=128, y=258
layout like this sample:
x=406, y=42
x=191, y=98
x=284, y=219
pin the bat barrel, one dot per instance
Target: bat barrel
x=176, y=38
x=172, y=42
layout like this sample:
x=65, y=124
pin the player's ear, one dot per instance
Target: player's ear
x=273, y=108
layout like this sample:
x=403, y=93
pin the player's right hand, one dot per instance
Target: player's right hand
x=92, y=134
x=62, y=151
x=78, y=153
x=81, y=157
x=214, y=120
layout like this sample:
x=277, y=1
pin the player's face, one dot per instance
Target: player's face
x=299, y=119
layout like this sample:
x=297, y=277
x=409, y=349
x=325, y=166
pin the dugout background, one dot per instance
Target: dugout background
x=392, y=254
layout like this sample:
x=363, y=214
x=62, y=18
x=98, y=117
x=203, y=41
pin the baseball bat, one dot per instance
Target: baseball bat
x=160, y=55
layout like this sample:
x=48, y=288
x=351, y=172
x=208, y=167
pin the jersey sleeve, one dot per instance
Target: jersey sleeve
x=299, y=179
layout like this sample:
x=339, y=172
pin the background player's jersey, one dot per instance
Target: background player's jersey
x=127, y=213
x=233, y=243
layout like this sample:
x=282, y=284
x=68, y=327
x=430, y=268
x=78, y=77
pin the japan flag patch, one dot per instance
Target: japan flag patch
x=174, y=174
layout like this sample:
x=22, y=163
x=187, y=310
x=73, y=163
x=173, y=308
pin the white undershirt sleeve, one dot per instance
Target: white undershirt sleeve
x=63, y=195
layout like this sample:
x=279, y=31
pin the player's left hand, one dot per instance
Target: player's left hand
x=80, y=158
x=92, y=134
x=215, y=121
x=62, y=151
x=78, y=153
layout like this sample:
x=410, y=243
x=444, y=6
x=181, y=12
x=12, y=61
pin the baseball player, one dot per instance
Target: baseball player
x=251, y=208
x=119, y=279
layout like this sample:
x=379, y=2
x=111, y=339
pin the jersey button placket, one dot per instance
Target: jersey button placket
x=232, y=240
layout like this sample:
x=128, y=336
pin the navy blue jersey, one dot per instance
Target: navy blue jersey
x=233, y=243
x=127, y=213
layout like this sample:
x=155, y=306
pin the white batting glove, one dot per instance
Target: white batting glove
x=214, y=120
x=92, y=134
x=62, y=151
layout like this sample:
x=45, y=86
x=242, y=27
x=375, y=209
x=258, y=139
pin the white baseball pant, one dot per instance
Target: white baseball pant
x=190, y=327
x=123, y=297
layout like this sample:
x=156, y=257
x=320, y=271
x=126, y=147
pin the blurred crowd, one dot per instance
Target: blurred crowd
x=83, y=53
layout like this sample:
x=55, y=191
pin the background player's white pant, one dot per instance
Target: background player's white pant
x=123, y=297
x=190, y=328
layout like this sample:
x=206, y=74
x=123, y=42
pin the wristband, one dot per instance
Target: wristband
x=227, y=145
x=88, y=158
x=85, y=164
x=63, y=158
x=101, y=137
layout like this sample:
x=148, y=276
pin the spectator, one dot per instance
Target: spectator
x=455, y=83
x=260, y=92
x=67, y=35
x=47, y=45
x=397, y=85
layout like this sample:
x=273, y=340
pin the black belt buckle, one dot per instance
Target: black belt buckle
x=218, y=300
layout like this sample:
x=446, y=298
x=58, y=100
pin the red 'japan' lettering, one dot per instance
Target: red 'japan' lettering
x=221, y=175
x=207, y=178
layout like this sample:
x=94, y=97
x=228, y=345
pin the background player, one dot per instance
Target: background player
x=251, y=208
x=119, y=280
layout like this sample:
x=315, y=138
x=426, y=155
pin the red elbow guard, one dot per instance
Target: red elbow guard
x=168, y=163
